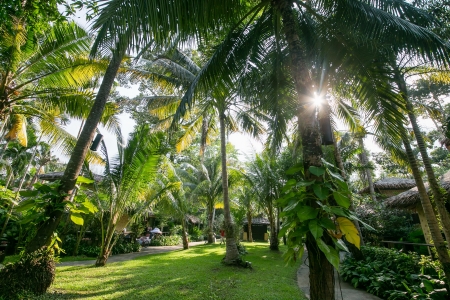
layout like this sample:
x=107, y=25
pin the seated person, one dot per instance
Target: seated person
x=145, y=239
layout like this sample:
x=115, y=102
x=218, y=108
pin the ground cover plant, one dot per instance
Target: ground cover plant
x=192, y=274
x=393, y=275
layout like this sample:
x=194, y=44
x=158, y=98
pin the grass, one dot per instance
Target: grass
x=193, y=274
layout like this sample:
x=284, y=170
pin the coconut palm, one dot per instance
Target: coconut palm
x=205, y=184
x=266, y=180
x=127, y=179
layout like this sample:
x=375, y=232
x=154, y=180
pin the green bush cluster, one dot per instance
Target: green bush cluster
x=32, y=274
x=171, y=240
x=93, y=251
x=394, y=275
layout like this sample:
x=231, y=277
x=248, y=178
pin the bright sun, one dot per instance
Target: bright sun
x=317, y=100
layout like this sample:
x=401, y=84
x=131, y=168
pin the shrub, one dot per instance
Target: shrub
x=389, y=224
x=171, y=240
x=393, y=275
x=33, y=273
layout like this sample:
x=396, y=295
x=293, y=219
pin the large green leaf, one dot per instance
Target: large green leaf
x=82, y=179
x=307, y=213
x=321, y=191
x=330, y=253
x=318, y=171
x=315, y=228
x=342, y=200
x=77, y=218
x=25, y=205
x=327, y=223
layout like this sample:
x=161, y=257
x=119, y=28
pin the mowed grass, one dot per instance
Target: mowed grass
x=192, y=274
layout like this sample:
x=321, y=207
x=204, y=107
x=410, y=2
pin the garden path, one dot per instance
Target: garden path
x=343, y=290
x=129, y=256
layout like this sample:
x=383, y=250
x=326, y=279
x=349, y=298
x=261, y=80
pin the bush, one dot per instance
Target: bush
x=389, y=224
x=171, y=240
x=393, y=275
x=33, y=273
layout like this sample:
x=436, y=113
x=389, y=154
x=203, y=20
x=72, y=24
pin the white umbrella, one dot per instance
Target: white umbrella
x=156, y=230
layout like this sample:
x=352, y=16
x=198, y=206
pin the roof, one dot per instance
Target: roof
x=258, y=220
x=193, y=219
x=410, y=198
x=390, y=184
x=53, y=176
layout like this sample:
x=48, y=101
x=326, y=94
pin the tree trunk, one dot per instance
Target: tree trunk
x=367, y=171
x=231, y=254
x=249, y=224
x=438, y=196
x=184, y=234
x=45, y=230
x=274, y=243
x=210, y=223
x=321, y=271
x=439, y=243
x=105, y=251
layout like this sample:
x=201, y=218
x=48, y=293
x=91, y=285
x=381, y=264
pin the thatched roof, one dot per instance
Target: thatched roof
x=53, y=176
x=258, y=221
x=410, y=199
x=193, y=219
x=387, y=184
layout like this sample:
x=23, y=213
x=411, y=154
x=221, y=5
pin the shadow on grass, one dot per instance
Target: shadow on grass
x=191, y=274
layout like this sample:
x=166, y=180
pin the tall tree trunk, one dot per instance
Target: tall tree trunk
x=274, y=243
x=232, y=254
x=439, y=243
x=438, y=196
x=45, y=230
x=321, y=274
x=367, y=171
x=211, y=210
x=184, y=234
x=249, y=224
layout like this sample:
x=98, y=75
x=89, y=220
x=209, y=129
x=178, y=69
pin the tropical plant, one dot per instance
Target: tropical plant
x=266, y=179
x=127, y=181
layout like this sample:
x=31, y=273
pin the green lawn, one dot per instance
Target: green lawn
x=193, y=274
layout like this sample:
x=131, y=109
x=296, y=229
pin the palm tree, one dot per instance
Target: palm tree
x=151, y=25
x=205, y=184
x=127, y=178
x=266, y=180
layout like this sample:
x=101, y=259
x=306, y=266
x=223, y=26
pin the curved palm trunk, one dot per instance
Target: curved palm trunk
x=438, y=196
x=439, y=243
x=321, y=274
x=232, y=254
x=107, y=245
x=45, y=230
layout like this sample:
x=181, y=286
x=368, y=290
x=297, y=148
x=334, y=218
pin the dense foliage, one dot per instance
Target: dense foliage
x=394, y=275
x=33, y=273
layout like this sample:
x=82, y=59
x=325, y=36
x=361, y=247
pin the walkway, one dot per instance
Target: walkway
x=129, y=256
x=343, y=290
